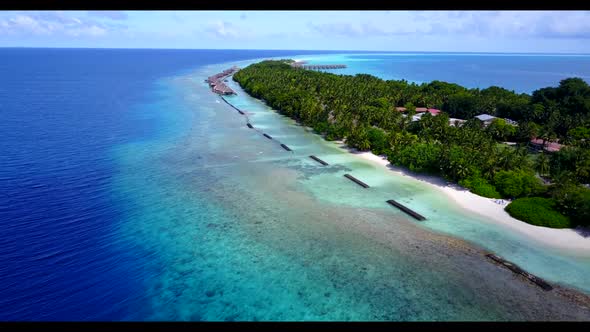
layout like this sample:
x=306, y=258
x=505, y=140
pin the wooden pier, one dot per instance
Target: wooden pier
x=319, y=160
x=357, y=181
x=516, y=269
x=216, y=82
x=406, y=210
x=318, y=67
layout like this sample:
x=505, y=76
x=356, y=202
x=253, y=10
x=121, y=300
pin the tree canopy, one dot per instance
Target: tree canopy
x=362, y=110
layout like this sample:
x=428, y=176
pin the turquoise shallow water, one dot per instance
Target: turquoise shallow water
x=131, y=192
x=522, y=73
x=444, y=215
x=240, y=229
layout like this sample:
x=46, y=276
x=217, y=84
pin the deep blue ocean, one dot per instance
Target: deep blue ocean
x=98, y=182
x=61, y=111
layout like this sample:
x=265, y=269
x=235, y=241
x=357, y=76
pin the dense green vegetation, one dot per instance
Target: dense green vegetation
x=538, y=211
x=480, y=187
x=361, y=110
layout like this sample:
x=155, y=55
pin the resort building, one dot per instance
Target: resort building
x=456, y=122
x=537, y=144
x=487, y=119
x=216, y=81
x=511, y=122
x=222, y=89
x=421, y=110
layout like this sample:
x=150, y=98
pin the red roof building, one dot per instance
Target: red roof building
x=419, y=110
x=549, y=146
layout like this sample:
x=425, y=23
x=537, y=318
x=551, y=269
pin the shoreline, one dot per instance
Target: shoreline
x=566, y=238
x=573, y=240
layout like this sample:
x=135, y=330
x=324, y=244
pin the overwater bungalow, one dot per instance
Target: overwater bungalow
x=303, y=65
x=216, y=82
x=223, y=89
x=213, y=79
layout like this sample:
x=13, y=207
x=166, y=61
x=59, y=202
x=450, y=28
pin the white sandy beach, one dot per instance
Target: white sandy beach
x=558, y=238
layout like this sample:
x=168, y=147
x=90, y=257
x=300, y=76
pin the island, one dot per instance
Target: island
x=532, y=151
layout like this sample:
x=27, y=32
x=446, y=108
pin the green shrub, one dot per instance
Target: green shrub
x=501, y=130
x=320, y=127
x=573, y=201
x=480, y=187
x=538, y=211
x=334, y=133
x=378, y=140
x=419, y=157
x=518, y=183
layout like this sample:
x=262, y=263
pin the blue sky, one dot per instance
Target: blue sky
x=460, y=31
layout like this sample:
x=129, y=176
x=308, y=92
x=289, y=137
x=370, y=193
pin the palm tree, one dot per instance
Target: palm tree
x=544, y=134
x=542, y=164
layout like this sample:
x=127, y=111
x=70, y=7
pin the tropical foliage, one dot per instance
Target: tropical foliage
x=361, y=110
x=480, y=187
x=538, y=211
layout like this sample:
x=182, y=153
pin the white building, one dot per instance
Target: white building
x=486, y=118
x=456, y=122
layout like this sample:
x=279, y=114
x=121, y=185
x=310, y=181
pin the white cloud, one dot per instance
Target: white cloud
x=367, y=29
x=54, y=24
x=432, y=30
x=572, y=24
x=222, y=29
x=27, y=23
x=511, y=24
x=485, y=24
x=87, y=31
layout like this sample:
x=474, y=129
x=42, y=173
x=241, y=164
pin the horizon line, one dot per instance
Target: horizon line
x=290, y=50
